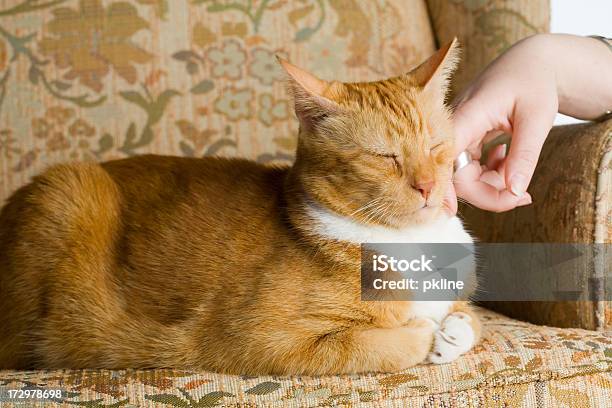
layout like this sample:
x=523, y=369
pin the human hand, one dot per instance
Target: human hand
x=516, y=94
x=519, y=93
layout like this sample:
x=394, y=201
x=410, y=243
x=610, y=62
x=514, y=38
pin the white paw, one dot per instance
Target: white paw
x=454, y=338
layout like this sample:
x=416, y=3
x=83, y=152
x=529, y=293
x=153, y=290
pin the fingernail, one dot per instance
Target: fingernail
x=525, y=201
x=518, y=185
x=504, y=150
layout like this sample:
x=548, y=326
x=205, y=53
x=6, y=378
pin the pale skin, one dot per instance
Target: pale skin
x=519, y=93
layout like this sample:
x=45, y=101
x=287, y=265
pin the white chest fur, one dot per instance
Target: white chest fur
x=443, y=230
x=334, y=226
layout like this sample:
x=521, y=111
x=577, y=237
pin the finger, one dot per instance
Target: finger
x=471, y=124
x=468, y=173
x=528, y=137
x=469, y=186
x=450, y=200
x=495, y=134
x=496, y=156
x=475, y=150
x=494, y=179
x=489, y=198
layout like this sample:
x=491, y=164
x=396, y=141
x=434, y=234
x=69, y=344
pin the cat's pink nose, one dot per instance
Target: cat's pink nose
x=425, y=188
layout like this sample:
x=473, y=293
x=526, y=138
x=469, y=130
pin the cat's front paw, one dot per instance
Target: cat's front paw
x=454, y=337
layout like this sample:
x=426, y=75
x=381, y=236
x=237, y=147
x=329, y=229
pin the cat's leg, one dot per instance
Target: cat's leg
x=368, y=349
x=65, y=252
x=395, y=349
x=457, y=334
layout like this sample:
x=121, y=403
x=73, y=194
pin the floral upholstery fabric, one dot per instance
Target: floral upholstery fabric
x=486, y=28
x=105, y=79
x=516, y=365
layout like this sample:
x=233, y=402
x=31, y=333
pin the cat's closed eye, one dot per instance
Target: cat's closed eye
x=391, y=157
x=436, y=147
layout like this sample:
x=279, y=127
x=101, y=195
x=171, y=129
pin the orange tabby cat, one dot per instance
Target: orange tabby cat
x=231, y=266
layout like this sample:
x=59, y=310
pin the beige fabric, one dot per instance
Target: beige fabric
x=98, y=80
x=571, y=192
x=486, y=28
x=516, y=365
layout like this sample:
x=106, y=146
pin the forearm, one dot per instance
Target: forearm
x=583, y=70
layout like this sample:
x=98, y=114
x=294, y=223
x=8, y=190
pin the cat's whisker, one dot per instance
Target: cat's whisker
x=375, y=205
x=380, y=208
x=465, y=202
x=366, y=206
x=382, y=213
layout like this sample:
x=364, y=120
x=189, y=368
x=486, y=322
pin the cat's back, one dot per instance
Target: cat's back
x=135, y=189
x=146, y=206
x=153, y=208
x=151, y=178
x=173, y=205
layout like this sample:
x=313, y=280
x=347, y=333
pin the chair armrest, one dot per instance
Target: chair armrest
x=572, y=203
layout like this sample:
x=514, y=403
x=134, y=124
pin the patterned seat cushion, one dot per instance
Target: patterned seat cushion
x=516, y=365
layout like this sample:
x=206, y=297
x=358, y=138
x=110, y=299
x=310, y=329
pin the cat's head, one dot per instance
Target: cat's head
x=377, y=152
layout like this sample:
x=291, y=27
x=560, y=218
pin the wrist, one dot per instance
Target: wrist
x=580, y=69
x=544, y=51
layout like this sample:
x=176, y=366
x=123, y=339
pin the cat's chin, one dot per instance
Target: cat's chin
x=423, y=216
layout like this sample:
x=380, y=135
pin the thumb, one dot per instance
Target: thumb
x=528, y=136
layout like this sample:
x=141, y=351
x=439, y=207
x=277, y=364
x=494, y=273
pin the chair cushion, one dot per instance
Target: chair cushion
x=516, y=364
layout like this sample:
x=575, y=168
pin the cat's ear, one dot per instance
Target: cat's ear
x=313, y=97
x=433, y=75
